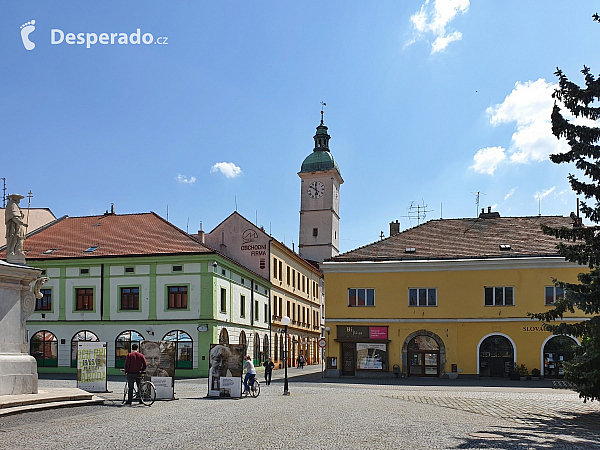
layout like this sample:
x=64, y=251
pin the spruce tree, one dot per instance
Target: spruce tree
x=580, y=244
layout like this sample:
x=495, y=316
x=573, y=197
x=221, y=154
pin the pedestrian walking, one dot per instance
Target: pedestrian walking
x=268, y=370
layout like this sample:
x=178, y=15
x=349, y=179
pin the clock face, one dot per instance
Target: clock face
x=316, y=189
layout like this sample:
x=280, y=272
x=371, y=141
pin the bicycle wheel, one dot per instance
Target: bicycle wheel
x=255, y=388
x=147, y=393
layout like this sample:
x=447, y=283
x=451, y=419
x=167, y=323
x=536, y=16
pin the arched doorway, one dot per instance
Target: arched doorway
x=184, y=348
x=557, y=350
x=123, y=346
x=423, y=355
x=266, y=350
x=243, y=341
x=256, y=349
x=496, y=356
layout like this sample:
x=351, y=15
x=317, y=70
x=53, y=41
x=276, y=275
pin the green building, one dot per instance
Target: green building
x=131, y=277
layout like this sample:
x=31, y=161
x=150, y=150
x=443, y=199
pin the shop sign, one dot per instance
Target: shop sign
x=378, y=332
x=354, y=333
x=538, y=328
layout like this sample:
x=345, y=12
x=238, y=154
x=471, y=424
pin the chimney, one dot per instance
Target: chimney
x=394, y=228
x=112, y=208
x=489, y=214
x=201, y=236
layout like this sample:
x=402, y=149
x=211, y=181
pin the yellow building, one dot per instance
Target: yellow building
x=448, y=297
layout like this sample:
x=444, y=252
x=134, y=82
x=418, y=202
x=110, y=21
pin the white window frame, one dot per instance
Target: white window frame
x=366, y=296
x=418, y=289
x=554, y=288
x=503, y=295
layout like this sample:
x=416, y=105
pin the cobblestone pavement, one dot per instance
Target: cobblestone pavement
x=320, y=414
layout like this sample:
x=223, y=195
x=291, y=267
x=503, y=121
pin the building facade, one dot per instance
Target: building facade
x=449, y=297
x=122, y=279
x=296, y=285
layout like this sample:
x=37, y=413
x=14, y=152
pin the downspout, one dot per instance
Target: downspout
x=101, y=290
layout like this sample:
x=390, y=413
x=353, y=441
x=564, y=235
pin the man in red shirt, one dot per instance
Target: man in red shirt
x=135, y=365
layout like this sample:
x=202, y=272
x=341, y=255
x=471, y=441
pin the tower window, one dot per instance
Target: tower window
x=315, y=232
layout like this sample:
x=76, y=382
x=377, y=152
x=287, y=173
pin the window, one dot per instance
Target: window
x=288, y=275
x=81, y=336
x=303, y=283
x=274, y=267
x=422, y=297
x=293, y=278
x=183, y=348
x=85, y=299
x=256, y=311
x=242, y=306
x=266, y=313
x=361, y=297
x=554, y=293
x=90, y=249
x=294, y=312
x=223, y=300
x=499, y=296
x=223, y=336
x=280, y=270
x=129, y=270
x=281, y=306
x=315, y=232
x=130, y=298
x=298, y=280
x=44, y=303
x=44, y=348
x=177, y=268
x=84, y=271
x=178, y=297
x=123, y=346
x=288, y=309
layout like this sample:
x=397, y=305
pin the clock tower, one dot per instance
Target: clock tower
x=320, y=201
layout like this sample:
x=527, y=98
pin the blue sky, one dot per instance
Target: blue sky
x=427, y=103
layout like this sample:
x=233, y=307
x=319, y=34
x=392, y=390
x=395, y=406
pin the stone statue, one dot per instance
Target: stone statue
x=15, y=230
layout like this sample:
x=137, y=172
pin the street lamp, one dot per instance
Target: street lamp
x=285, y=321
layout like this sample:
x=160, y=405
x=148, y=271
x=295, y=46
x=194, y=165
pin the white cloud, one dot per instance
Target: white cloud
x=510, y=193
x=432, y=20
x=529, y=106
x=487, y=159
x=230, y=170
x=185, y=180
x=544, y=194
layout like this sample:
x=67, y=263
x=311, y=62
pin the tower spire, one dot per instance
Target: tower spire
x=323, y=104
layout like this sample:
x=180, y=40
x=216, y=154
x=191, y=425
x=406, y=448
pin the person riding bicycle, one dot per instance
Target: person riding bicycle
x=250, y=372
x=135, y=365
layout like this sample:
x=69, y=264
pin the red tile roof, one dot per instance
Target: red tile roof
x=465, y=238
x=113, y=234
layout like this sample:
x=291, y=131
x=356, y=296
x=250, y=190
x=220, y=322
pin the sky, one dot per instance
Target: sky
x=213, y=106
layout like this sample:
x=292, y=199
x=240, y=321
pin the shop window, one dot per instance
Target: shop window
x=554, y=293
x=177, y=297
x=123, y=346
x=499, y=296
x=130, y=298
x=422, y=297
x=44, y=303
x=361, y=297
x=43, y=346
x=84, y=299
x=371, y=356
x=80, y=336
x=184, y=348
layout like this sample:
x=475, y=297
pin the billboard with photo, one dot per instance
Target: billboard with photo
x=160, y=361
x=226, y=364
x=91, y=366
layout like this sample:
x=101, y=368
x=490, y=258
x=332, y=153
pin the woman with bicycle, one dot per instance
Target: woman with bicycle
x=250, y=372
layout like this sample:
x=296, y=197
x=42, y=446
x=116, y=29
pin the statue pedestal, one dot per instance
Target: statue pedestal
x=18, y=370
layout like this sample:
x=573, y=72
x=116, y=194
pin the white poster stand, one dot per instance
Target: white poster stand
x=91, y=366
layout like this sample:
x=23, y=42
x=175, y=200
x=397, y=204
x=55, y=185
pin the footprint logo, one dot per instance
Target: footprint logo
x=26, y=30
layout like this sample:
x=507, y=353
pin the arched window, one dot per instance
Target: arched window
x=223, y=336
x=496, y=356
x=183, y=348
x=256, y=354
x=123, y=346
x=44, y=348
x=276, y=349
x=243, y=341
x=557, y=350
x=80, y=336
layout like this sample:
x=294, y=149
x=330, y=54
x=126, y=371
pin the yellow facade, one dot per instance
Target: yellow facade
x=459, y=322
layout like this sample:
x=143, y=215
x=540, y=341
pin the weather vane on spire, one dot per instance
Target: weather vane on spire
x=323, y=104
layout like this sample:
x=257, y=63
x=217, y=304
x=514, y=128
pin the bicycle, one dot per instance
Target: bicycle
x=254, y=386
x=146, y=393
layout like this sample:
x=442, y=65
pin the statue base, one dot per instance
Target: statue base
x=18, y=374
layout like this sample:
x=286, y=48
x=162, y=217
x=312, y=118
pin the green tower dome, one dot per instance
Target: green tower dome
x=320, y=159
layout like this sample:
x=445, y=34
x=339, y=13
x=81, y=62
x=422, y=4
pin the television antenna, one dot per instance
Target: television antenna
x=477, y=201
x=417, y=211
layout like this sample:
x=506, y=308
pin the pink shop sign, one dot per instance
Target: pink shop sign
x=378, y=332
